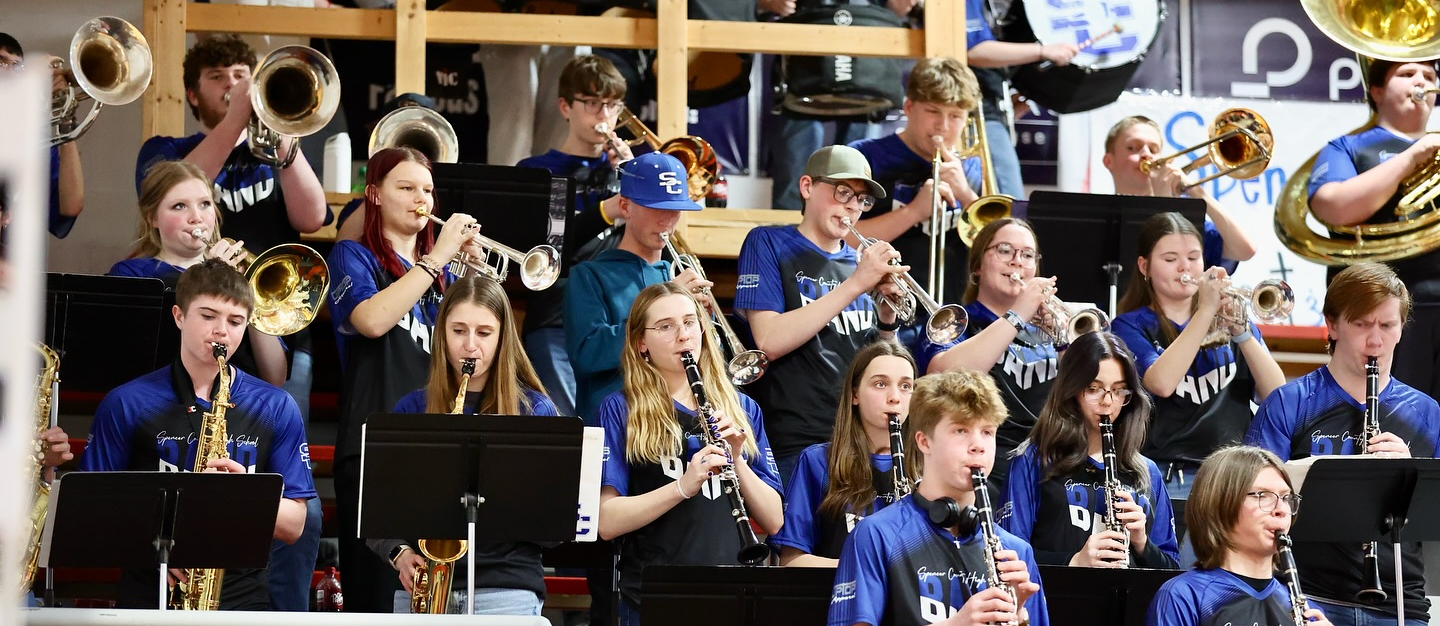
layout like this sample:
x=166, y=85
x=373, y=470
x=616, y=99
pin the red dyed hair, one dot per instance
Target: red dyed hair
x=373, y=237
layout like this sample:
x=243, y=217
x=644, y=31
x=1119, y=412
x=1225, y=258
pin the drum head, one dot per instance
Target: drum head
x=1139, y=22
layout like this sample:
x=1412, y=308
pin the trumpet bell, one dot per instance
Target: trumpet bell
x=946, y=324
x=540, y=267
x=420, y=128
x=1394, y=30
x=1272, y=300
x=111, y=61
x=1090, y=320
x=289, y=282
x=295, y=91
x=747, y=367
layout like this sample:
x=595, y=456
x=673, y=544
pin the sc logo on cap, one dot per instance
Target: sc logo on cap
x=671, y=183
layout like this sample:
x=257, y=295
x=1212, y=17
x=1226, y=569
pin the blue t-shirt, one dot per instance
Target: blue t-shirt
x=60, y=225
x=148, y=267
x=1208, y=409
x=1058, y=515
x=595, y=180
x=781, y=270
x=1216, y=597
x=899, y=569
x=1313, y=416
x=539, y=403
x=977, y=28
x=806, y=528
x=697, y=531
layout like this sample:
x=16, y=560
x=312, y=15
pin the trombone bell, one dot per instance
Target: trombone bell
x=110, y=63
x=1239, y=146
x=294, y=93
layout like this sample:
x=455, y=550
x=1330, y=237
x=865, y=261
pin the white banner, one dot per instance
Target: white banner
x=1300, y=129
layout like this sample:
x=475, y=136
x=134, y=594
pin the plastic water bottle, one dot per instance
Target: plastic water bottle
x=337, y=163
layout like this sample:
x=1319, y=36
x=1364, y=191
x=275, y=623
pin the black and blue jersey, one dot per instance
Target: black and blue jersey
x=1313, y=416
x=247, y=190
x=1058, y=515
x=898, y=569
x=1216, y=597
x=809, y=530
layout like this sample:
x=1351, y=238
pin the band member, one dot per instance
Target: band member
x=176, y=202
x=838, y=483
x=1058, y=485
x=601, y=290
x=1358, y=179
x=383, y=297
x=476, y=323
x=1020, y=358
x=805, y=294
x=1203, y=380
x=939, y=96
x=1323, y=413
x=153, y=423
x=900, y=566
x=1242, y=497
x=661, y=491
x=592, y=92
x=67, y=177
x=1137, y=139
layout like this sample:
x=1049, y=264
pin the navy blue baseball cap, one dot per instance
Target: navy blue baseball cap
x=658, y=181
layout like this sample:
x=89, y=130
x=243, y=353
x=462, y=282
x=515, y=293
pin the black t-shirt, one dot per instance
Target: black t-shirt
x=1024, y=374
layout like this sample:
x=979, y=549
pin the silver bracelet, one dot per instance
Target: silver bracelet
x=682, y=491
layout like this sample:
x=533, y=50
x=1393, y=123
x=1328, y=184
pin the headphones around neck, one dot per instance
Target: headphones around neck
x=947, y=513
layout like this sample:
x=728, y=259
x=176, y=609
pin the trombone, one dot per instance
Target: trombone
x=1270, y=301
x=289, y=282
x=110, y=63
x=417, y=127
x=988, y=207
x=696, y=154
x=539, y=267
x=747, y=366
x=945, y=323
x=1239, y=145
x=295, y=93
x=1061, y=324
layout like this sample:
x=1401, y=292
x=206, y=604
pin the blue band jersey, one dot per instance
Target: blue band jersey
x=1058, y=515
x=1209, y=409
x=375, y=373
x=1216, y=597
x=780, y=270
x=498, y=564
x=153, y=423
x=697, y=531
x=898, y=569
x=1346, y=157
x=811, y=531
x=902, y=173
x=1314, y=416
x=247, y=190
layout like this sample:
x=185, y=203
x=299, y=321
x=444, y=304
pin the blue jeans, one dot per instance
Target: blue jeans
x=629, y=614
x=795, y=140
x=786, y=466
x=298, y=386
x=1180, y=478
x=487, y=602
x=1004, y=160
x=1356, y=616
x=546, y=347
x=291, y=565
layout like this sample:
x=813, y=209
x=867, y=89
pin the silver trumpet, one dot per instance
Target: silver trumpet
x=747, y=366
x=1271, y=300
x=539, y=267
x=945, y=323
x=1061, y=324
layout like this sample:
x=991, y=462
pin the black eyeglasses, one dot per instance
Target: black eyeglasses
x=593, y=106
x=1268, y=500
x=1093, y=395
x=843, y=194
x=1027, y=256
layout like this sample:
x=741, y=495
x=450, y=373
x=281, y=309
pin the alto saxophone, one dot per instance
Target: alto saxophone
x=45, y=387
x=201, y=592
x=985, y=518
x=1112, y=483
x=430, y=585
x=899, y=484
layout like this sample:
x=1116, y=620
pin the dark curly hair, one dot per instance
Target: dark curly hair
x=215, y=51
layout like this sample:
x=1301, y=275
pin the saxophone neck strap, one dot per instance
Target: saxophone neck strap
x=184, y=387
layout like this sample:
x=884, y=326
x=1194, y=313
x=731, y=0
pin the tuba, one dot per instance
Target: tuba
x=1239, y=146
x=1403, y=32
x=991, y=205
x=694, y=153
x=46, y=387
x=110, y=63
x=289, y=282
x=202, y=591
x=430, y=589
x=417, y=127
x=295, y=93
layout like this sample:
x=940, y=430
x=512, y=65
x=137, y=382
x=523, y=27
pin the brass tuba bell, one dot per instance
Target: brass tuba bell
x=110, y=63
x=295, y=93
x=417, y=127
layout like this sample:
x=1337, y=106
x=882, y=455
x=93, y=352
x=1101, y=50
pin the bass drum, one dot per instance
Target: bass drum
x=1100, y=72
x=839, y=87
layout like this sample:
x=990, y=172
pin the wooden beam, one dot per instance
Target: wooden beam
x=777, y=38
x=671, y=70
x=534, y=29
x=410, y=24
x=163, y=110
x=945, y=30
x=338, y=23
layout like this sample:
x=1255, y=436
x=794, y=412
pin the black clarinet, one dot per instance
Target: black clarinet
x=752, y=552
x=985, y=517
x=899, y=483
x=1298, y=604
x=1112, y=483
x=1371, y=591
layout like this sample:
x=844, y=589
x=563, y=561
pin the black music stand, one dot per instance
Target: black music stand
x=735, y=594
x=81, y=314
x=1091, y=232
x=170, y=519
x=518, y=206
x=1099, y=596
x=429, y=475
x=1367, y=498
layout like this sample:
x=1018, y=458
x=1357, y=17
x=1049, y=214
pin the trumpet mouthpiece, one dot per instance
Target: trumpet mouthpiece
x=1015, y=278
x=198, y=233
x=602, y=128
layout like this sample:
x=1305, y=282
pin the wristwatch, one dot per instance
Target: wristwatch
x=1014, y=319
x=397, y=551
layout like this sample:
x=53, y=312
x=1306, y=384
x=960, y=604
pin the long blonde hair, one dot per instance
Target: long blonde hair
x=652, y=431
x=159, y=180
x=511, y=369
